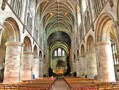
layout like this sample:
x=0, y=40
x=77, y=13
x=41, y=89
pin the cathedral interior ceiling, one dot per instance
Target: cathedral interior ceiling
x=58, y=16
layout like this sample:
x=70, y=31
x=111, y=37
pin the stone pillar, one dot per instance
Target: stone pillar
x=35, y=68
x=48, y=61
x=91, y=65
x=12, y=62
x=81, y=66
x=71, y=61
x=77, y=68
x=27, y=66
x=41, y=68
x=105, y=66
x=83, y=60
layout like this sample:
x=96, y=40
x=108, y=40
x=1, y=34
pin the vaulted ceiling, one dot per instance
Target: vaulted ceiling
x=58, y=16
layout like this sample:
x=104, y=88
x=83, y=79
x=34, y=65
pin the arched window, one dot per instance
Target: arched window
x=55, y=53
x=63, y=53
x=59, y=52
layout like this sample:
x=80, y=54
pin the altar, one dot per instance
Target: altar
x=59, y=71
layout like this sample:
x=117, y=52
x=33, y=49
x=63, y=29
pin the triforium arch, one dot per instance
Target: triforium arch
x=27, y=59
x=10, y=41
x=105, y=45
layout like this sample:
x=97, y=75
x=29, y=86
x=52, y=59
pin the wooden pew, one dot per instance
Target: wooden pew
x=81, y=83
x=91, y=84
x=37, y=84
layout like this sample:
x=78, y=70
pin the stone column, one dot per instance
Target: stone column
x=83, y=60
x=12, y=62
x=105, y=64
x=41, y=68
x=36, y=67
x=77, y=68
x=47, y=61
x=27, y=66
x=81, y=66
x=71, y=61
x=91, y=65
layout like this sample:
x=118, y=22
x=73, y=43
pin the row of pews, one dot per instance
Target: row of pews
x=36, y=84
x=74, y=83
x=90, y=84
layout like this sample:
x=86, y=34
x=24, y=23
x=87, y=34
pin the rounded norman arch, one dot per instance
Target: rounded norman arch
x=11, y=30
x=90, y=43
x=27, y=44
x=10, y=33
x=104, y=25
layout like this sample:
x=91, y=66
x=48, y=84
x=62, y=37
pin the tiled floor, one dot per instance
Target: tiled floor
x=60, y=85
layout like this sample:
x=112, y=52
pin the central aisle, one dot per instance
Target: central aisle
x=60, y=84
